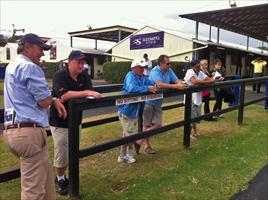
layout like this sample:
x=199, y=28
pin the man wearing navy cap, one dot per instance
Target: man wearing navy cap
x=27, y=97
x=68, y=83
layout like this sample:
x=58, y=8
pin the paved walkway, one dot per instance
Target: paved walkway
x=258, y=187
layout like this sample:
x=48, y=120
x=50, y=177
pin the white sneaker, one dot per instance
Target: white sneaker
x=130, y=159
x=121, y=159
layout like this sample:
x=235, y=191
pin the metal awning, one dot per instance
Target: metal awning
x=251, y=21
x=111, y=33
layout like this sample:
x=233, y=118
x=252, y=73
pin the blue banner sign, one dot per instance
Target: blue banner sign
x=148, y=40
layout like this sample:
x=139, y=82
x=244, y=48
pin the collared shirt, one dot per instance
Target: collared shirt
x=166, y=77
x=148, y=68
x=258, y=65
x=25, y=85
x=133, y=84
x=62, y=83
x=196, y=96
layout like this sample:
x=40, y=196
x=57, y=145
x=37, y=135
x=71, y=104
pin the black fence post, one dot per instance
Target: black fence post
x=140, y=120
x=241, y=104
x=73, y=137
x=187, y=119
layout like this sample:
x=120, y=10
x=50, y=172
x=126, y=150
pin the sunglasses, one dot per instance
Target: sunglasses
x=167, y=64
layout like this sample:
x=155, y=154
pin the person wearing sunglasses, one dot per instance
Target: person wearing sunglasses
x=164, y=78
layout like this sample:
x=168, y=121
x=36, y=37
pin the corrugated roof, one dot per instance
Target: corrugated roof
x=250, y=20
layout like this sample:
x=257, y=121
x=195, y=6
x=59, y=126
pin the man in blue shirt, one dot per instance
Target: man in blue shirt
x=164, y=77
x=134, y=82
x=27, y=97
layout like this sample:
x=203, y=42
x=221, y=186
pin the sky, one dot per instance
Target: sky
x=56, y=18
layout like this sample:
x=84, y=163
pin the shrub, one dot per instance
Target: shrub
x=115, y=72
x=51, y=69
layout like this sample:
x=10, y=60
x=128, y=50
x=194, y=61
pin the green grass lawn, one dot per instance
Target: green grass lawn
x=218, y=165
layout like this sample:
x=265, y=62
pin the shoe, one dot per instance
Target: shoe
x=192, y=136
x=63, y=187
x=130, y=159
x=212, y=119
x=150, y=150
x=66, y=179
x=121, y=159
x=137, y=147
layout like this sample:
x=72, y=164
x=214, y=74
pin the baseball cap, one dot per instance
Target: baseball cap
x=139, y=62
x=195, y=63
x=77, y=55
x=34, y=39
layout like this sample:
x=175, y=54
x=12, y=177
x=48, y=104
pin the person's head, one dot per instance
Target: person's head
x=195, y=65
x=204, y=64
x=164, y=63
x=137, y=66
x=76, y=60
x=32, y=46
x=145, y=56
x=217, y=64
x=258, y=59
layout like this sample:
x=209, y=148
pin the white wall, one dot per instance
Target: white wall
x=63, y=52
x=172, y=44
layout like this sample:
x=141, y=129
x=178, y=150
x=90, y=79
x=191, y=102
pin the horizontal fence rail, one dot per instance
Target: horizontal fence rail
x=78, y=105
x=75, y=106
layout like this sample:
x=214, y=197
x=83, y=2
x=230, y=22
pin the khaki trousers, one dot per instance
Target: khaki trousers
x=30, y=146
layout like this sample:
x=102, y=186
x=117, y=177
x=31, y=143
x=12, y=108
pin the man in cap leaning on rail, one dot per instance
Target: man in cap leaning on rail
x=68, y=83
x=134, y=82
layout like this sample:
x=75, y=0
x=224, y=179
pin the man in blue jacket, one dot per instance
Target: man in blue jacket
x=134, y=82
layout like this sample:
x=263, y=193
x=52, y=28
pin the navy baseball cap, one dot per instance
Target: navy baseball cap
x=77, y=55
x=195, y=63
x=34, y=39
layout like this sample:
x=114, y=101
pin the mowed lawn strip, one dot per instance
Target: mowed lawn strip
x=217, y=166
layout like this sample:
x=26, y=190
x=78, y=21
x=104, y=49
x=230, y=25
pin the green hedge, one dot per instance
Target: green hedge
x=114, y=72
x=51, y=69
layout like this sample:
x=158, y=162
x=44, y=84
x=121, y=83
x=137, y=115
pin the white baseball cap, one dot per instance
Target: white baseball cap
x=139, y=62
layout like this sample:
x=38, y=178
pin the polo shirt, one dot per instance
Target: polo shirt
x=62, y=83
x=25, y=85
x=166, y=77
x=258, y=66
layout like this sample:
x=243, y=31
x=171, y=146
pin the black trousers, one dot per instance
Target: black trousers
x=219, y=95
x=257, y=87
x=206, y=104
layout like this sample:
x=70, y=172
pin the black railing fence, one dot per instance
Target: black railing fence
x=78, y=105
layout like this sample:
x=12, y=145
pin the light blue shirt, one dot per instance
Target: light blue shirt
x=25, y=85
x=166, y=77
x=133, y=84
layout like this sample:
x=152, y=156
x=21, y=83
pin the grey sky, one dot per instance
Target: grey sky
x=56, y=18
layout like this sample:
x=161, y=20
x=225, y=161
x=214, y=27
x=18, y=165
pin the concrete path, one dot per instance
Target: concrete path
x=258, y=187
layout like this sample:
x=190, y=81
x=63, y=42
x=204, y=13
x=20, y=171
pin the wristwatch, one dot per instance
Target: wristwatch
x=54, y=99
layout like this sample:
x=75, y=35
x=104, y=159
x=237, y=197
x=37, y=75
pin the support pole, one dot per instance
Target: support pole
x=73, y=137
x=187, y=119
x=247, y=43
x=241, y=108
x=71, y=41
x=218, y=35
x=209, y=38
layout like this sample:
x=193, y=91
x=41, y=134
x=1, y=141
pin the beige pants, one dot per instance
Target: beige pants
x=30, y=145
x=60, y=138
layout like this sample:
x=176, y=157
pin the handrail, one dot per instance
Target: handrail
x=82, y=104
